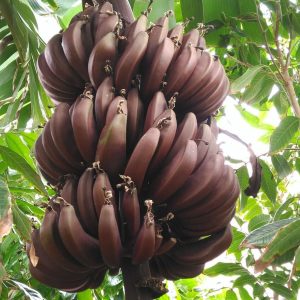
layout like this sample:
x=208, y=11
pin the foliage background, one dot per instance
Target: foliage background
x=258, y=42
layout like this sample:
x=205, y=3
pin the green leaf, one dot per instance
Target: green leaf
x=230, y=295
x=2, y=275
x=244, y=294
x=158, y=9
x=281, y=166
x=281, y=290
x=284, y=206
x=29, y=292
x=281, y=102
x=22, y=223
x=243, y=280
x=15, y=143
x=262, y=236
x=228, y=269
x=85, y=295
x=285, y=239
x=283, y=134
x=258, y=221
x=268, y=183
x=244, y=80
x=17, y=162
x=296, y=264
x=5, y=209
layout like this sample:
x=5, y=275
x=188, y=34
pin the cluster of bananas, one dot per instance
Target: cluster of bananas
x=138, y=170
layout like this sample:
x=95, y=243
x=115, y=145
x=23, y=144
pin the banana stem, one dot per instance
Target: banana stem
x=132, y=275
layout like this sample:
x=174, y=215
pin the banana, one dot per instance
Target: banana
x=172, y=270
x=194, y=231
x=212, y=200
x=58, y=95
x=198, y=185
x=130, y=207
x=135, y=121
x=86, y=209
x=201, y=43
x=103, y=13
x=174, y=175
x=104, y=96
x=69, y=190
x=190, y=38
x=52, y=152
x=108, y=24
x=100, y=188
x=63, y=136
x=215, y=75
x=59, y=64
x=166, y=246
x=87, y=35
x=186, y=130
x=154, y=72
x=50, y=180
x=118, y=103
x=156, y=107
x=198, y=78
x=133, y=29
x=79, y=244
x=53, y=245
x=109, y=236
x=206, y=143
x=84, y=126
x=203, y=250
x=215, y=100
x=167, y=124
x=102, y=59
x=180, y=71
x=39, y=258
x=112, y=145
x=216, y=83
x=45, y=163
x=74, y=49
x=176, y=35
x=156, y=36
x=47, y=77
x=144, y=246
x=141, y=157
x=129, y=62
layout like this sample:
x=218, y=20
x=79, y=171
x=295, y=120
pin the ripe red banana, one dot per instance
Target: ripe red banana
x=135, y=119
x=141, y=157
x=129, y=62
x=156, y=107
x=144, y=246
x=104, y=96
x=174, y=175
x=112, y=145
x=109, y=236
x=84, y=126
x=130, y=207
x=59, y=64
x=79, y=244
x=153, y=74
x=63, y=136
x=86, y=209
x=102, y=59
x=74, y=49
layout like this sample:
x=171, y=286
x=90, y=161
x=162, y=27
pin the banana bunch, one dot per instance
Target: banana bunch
x=131, y=149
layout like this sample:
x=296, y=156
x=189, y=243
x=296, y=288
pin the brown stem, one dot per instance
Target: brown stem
x=132, y=276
